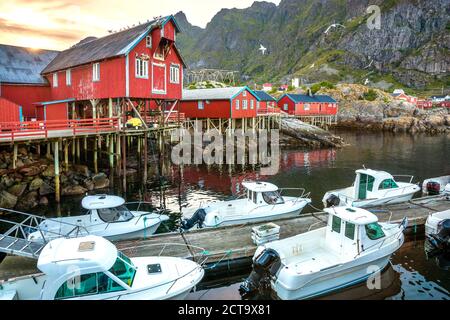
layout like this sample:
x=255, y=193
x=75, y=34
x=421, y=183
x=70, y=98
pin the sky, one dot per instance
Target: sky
x=58, y=24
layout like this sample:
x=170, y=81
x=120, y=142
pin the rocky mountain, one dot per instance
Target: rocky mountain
x=328, y=40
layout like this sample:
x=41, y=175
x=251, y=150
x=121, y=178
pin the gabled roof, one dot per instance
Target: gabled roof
x=113, y=45
x=23, y=65
x=214, y=93
x=310, y=99
x=264, y=96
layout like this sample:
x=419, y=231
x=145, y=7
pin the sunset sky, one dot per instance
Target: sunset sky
x=58, y=24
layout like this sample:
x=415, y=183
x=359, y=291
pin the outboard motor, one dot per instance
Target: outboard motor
x=441, y=240
x=265, y=266
x=433, y=188
x=198, y=218
x=333, y=201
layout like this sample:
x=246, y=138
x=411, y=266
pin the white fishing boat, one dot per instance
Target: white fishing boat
x=262, y=201
x=106, y=216
x=91, y=268
x=353, y=247
x=435, y=221
x=372, y=188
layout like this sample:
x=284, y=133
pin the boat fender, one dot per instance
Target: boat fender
x=333, y=201
x=265, y=266
x=198, y=218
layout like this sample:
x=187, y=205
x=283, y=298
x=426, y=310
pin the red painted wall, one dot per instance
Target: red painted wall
x=25, y=96
x=9, y=111
x=215, y=109
x=57, y=111
x=314, y=108
x=241, y=112
x=290, y=108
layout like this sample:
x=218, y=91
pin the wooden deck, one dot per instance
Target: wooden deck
x=234, y=242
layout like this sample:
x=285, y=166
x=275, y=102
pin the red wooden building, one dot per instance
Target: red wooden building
x=219, y=103
x=402, y=96
x=308, y=105
x=20, y=79
x=124, y=73
x=424, y=104
x=266, y=101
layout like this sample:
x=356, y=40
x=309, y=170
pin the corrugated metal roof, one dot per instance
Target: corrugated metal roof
x=311, y=99
x=23, y=65
x=211, y=94
x=116, y=44
x=264, y=96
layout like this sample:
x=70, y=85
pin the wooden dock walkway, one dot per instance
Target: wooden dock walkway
x=234, y=242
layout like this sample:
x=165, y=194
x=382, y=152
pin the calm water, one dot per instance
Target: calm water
x=413, y=277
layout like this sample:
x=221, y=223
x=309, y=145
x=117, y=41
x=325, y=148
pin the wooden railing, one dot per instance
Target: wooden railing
x=41, y=129
x=268, y=110
x=172, y=117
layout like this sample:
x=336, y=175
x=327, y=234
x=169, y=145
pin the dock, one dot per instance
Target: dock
x=224, y=247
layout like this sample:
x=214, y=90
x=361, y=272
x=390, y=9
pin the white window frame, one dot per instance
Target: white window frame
x=148, y=41
x=141, y=68
x=244, y=104
x=96, y=72
x=286, y=107
x=175, y=73
x=307, y=107
x=237, y=105
x=258, y=104
x=244, y=93
x=201, y=105
x=55, y=80
x=252, y=104
x=68, y=77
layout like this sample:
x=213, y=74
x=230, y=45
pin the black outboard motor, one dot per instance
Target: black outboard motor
x=2, y=256
x=333, y=201
x=441, y=240
x=198, y=218
x=265, y=266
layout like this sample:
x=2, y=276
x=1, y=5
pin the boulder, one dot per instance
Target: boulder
x=7, y=181
x=73, y=190
x=30, y=171
x=36, y=184
x=22, y=151
x=7, y=200
x=88, y=184
x=29, y=201
x=49, y=171
x=45, y=189
x=43, y=201
x=17, y=189
x=81, y=169
x=101, y=181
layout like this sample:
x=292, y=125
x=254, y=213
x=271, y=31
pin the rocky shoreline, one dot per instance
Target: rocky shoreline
x=32, y=183
x=385, y=113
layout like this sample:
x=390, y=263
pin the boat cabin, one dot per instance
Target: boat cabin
x=351, y=230
x=82, y=267
x=263, y=193
x=369, y=183
x=108, y=209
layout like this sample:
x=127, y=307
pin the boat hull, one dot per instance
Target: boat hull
x=371, y=202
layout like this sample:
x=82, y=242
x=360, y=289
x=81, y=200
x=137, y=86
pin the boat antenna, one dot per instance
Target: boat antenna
x=364, y=166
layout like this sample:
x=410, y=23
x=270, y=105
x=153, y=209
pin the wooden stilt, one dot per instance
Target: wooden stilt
x=124, y=163
x=15, y=150
x=118, y=153
x=78, y=149
x=56, y=164
x=66, y=155
x=111, y=152
x=145, y=175
x=95, y=156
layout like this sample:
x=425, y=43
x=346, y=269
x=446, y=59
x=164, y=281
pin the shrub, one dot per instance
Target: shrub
x=370, y=95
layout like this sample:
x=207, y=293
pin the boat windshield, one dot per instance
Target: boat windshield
x=374, y=231
x=118, y=214
x=388, y=184
x=124, y=269
x=273, y=197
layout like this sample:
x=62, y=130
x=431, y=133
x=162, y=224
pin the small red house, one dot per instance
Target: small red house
x=401, y=95
x=424, y=104
x=308, y=105
x=219, y=103
x=265, y=100
x=20, y=78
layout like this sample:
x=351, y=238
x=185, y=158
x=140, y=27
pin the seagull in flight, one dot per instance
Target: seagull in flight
x=334, y=25
x=262, y=49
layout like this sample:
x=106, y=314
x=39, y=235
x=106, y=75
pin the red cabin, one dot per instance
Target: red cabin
x=308, y=105
x=219, y=103
x=424, y=104
x=266, y=103
x=20, y=79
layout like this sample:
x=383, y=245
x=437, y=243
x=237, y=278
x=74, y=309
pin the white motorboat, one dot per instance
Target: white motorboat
x=262, y=202
x=435, y=221
x=352, y=248
x=107, y=216
x=372, y=188
x=91, y=268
